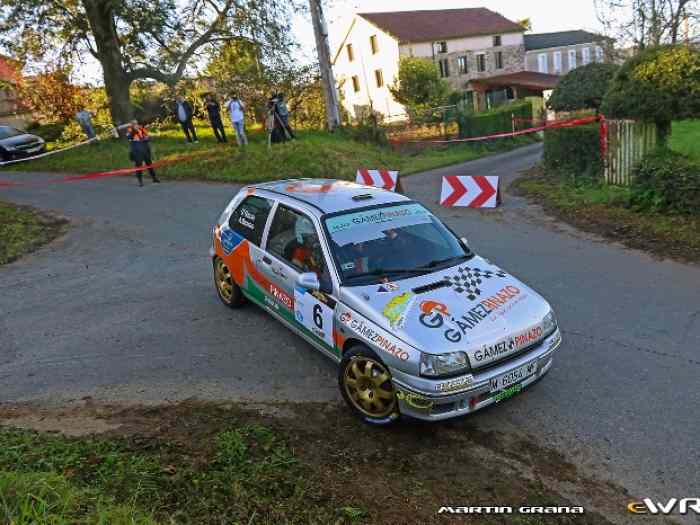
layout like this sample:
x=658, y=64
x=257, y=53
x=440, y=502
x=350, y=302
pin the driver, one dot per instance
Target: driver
x=305, y=254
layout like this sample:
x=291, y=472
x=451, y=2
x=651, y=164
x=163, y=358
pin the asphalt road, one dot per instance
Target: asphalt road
x=123, y=308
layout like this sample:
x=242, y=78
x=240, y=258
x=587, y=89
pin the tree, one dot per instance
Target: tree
x=644, y=23
x=140, y=39
x=582, y=88
x=659, y=85
x=419, y=86
x=525, y=23
x=50, y=94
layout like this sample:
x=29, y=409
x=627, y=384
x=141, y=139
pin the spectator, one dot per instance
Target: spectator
x=184, y=114
x=236, y=109
x=283, y=110
x=214, y=111
x=84, y=118
x=140, y=150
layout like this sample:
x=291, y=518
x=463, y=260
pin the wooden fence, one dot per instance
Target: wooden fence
x=627, y=142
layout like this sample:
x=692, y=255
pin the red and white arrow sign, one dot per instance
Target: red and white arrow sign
x=474, y=192
x=378, y=178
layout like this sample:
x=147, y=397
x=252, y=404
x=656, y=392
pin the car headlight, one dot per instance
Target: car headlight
x=443, y=364
x=549, y=323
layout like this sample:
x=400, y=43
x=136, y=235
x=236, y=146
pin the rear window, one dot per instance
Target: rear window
x=8, y=131
x=250, y=217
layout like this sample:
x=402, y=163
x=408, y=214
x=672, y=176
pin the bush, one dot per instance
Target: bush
x=48, y=132
x=496, y=121
x=667, y=181
x=369, y=131
x=573, y=152
x=582, y=88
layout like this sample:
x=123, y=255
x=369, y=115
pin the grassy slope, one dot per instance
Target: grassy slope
x=314, y=154
x=23, y=229
x=203, y=464
x=685, y=138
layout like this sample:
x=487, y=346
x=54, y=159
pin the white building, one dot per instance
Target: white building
x=476, y=50
x=560, y=52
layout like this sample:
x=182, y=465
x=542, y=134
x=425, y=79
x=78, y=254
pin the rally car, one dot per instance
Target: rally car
x=420, y=324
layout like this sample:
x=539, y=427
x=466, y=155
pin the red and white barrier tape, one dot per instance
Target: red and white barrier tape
x=98, y=174
x=556, y=124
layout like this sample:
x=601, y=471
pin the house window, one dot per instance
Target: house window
x=557, y=62
x=497, y=41
x=356, y=84
x=351, y=54
x=441, y=47
x=444, y=68
x=462, y=65
x=498, y=57
x=373, y=44
x=379, y=77
x=572, y=59
x=481, y=62
x=586, y=55
x=599, y=57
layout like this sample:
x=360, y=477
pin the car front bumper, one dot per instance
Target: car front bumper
x=420, y=398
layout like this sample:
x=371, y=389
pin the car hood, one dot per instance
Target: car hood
x=468, y=307
x=21, y=140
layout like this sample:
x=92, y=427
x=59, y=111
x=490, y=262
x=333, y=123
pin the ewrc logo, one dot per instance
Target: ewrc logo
x=649, y=506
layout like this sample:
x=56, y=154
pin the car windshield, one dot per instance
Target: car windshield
x=8, y=131
x=392, y=242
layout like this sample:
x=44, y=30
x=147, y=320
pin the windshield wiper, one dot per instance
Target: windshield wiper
x=386, y=271
x=438, y=262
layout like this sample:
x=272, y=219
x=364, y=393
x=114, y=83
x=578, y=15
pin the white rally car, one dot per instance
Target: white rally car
x=420, y=325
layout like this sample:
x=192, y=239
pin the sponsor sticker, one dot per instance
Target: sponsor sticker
x=414, y=400
x=282, y=296
x=455, y=384
x=229, y=240
x=369, y=334
x=397, y=309
x=381, y=216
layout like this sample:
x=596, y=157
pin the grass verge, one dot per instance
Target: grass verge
x=205, y=463
x=24, y=229
x=603, y=210
x=313, y=154
x=685, y=138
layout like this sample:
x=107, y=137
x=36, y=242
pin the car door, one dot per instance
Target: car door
x=293, y=247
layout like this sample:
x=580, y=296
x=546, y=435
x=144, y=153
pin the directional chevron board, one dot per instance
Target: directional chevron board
x=473, y=192
x=378, y=178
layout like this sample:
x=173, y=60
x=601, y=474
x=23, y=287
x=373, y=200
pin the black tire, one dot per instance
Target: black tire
x=372, y=400
x=226, y=288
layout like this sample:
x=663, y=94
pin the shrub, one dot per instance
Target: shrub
x=496, y=121
x=667, y=181
x=573, y=152
x=369, y=130
x=419, y=86
x=582, y=88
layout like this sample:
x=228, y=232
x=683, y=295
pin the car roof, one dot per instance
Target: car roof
x=330, y=195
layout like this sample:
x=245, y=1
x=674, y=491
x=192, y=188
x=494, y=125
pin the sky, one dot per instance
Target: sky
x=545, y=15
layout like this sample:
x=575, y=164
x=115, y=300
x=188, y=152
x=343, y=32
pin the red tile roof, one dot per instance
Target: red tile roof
x=528, y=79
x=422, y=26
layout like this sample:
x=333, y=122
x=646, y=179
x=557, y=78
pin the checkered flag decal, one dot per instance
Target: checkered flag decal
x=468, y=279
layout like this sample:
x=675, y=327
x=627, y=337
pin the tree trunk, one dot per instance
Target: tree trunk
x=100, y=14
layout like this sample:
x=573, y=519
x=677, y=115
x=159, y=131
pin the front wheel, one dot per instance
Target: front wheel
x=226, y=288
x=365, y=383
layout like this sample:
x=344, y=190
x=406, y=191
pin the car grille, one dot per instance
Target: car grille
x=509, y=357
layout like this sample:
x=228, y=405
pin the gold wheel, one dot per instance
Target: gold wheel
x=223, y=279
x=368, y=387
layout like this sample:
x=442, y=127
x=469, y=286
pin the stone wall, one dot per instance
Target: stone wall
x=513, y=62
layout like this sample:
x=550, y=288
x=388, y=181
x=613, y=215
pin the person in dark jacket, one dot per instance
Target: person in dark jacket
x=140, y=150
x=184, y=114
x=214, y=111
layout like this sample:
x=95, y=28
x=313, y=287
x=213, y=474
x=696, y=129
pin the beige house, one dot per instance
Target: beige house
x=476, y=50
x=560, y=52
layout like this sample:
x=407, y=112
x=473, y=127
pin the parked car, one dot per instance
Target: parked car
x=419, y=324
x=16, y=143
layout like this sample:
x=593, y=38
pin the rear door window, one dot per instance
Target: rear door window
x=250, y=217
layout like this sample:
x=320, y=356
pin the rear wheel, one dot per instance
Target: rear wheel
x=226, y=288
x=365, y=383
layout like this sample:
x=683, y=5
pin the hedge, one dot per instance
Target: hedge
x=498, y=121
x=667, y=181
x=573, y=152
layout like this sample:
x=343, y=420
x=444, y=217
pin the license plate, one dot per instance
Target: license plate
x=513, y=377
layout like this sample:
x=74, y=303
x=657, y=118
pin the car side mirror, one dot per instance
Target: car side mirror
x=309, y=281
